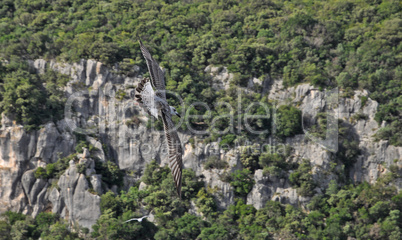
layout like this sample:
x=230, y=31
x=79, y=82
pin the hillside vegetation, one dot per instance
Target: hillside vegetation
x=364, y=212
x=349, y=44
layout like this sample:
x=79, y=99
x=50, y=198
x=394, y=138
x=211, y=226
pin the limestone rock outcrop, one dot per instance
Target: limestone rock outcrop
x=100, y=106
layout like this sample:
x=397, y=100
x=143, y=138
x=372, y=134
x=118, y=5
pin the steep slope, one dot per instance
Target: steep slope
x=100, y=108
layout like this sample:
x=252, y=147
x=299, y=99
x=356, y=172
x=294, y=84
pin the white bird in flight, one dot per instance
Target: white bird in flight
x=136, y=219
x=156, y=104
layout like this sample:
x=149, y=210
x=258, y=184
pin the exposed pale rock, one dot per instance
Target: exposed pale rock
x=55, y=199
x=46, y=142
x=85, y=208
x=90, y=72
x=51, y=144
x=15, y=145
x=233, y=158
x=98, y=151
x=28, y=179
x=142, y=186
x=37, y=195
x=272, y=188
x=78, y=72
x=96, y=181
x=37, y=187
x=261, y=191
x=194, y=156
x=81, y=205
x=85, y=153
x=98, y=112
x=221, y=77
x=222, y=191
x=194, y=209
x=6, y=121
x=40, y=65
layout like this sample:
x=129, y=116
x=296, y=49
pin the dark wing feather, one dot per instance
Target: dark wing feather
x=157, y=75
x=175, y=150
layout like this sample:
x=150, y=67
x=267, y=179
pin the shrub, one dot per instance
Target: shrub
x=348, y=152
x=215, y=162
x=273, y=159
x=50, y=170
x=81, y=144
x=273, y=171
x=226, y=177
x=216, y=231
x=32, y=103
x=363, y=100
x=242, y=182
x=134, y=121
x=288, y=121
x=111, y=173
x=275, y=162
x=13, y=217
x=191, y=185
x=302, y=178
x=43, y=221
x=110, y=202
x=154, y=174
x=359, y=116
x=390, y=133
x=81, y=168
x=206, y=203
x=345, y=80
x=249, y=158
x=120, y=94
x=227, y=140
x=40, y=172
x=62, y=164
x=5, y=229
x=187, y=226
x=22, y=95
x=320, y=129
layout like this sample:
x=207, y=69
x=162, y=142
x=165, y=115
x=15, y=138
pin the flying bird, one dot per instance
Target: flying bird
x=136, y=219
x=154, y=101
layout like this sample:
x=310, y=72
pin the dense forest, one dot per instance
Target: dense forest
x=364, y=212
x=347, y=44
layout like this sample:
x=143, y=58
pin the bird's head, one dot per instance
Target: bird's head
x=174, y=112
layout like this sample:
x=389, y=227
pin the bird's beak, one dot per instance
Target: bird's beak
x=178, y=115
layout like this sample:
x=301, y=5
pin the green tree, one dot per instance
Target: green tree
x=302, y=178
x=206, y=203
x=59, y=231
x=249, y=158
x=5, y=229
x=186, y=227
x=242, y=182
x=40, y=172
x=288, y=121
x=23, y=97
x=110, y=202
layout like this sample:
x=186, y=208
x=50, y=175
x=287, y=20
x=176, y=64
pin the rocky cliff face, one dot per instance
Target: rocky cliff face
x=101, y=106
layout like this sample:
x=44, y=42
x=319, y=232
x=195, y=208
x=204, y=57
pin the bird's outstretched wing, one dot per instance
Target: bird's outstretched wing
x=175, y=150
x=133, y=219
x=157, y=75
x=136, y=219
x=146, y=96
